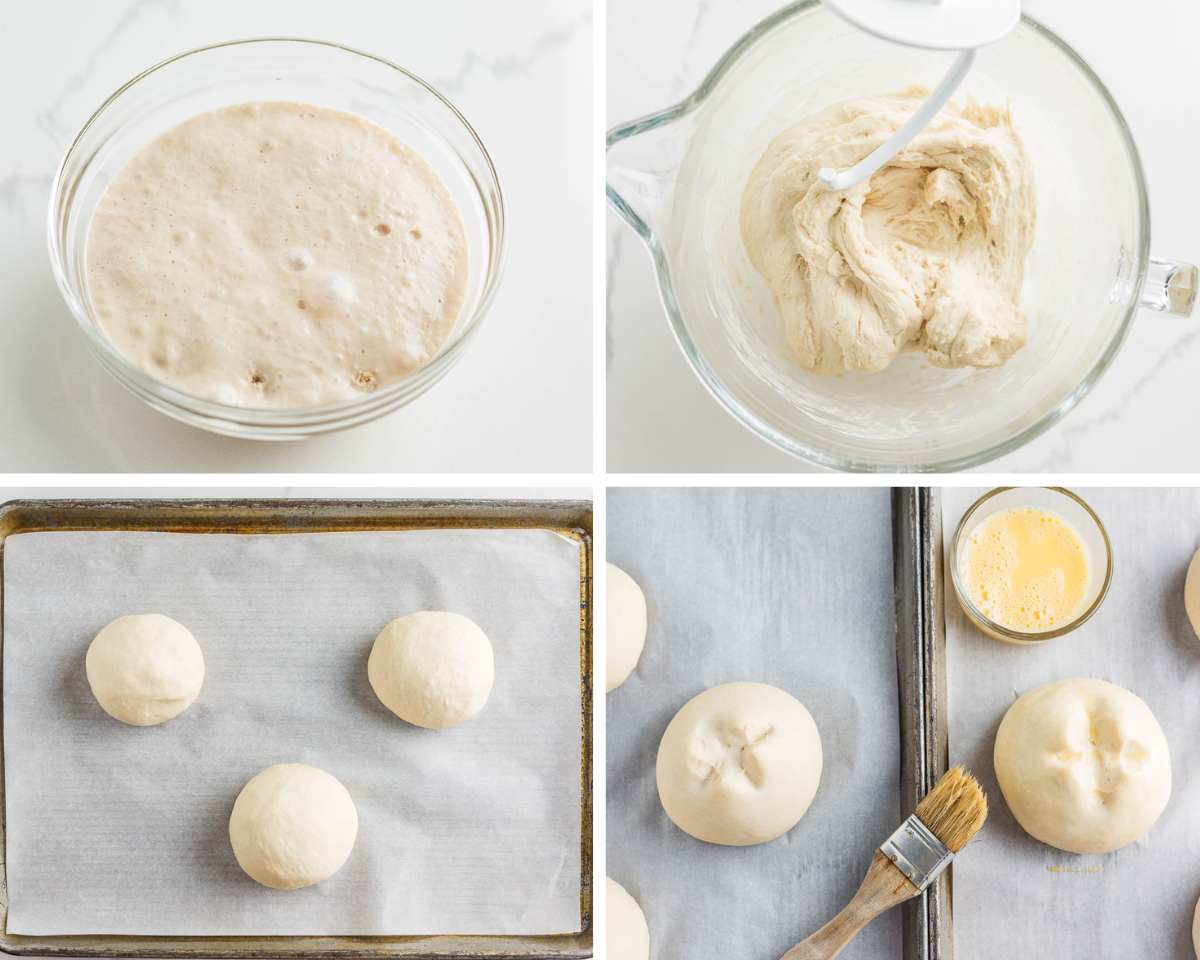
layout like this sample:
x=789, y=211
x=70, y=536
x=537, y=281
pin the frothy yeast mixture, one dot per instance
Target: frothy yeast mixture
x=925, y=255
x=1026, y=569
x=277, y=255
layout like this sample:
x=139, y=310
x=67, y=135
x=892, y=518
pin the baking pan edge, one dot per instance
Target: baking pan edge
x=571, y=518
x=921, y=667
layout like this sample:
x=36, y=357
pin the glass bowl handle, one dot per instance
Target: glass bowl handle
x=642, y=162
x=1170, y=287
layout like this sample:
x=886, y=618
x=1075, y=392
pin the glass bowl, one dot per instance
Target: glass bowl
x=309, y=71
x=677, y=178
x=1071, y=508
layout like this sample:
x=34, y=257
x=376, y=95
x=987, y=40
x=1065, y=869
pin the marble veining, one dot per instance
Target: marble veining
x=49, y=118
x=513, y=65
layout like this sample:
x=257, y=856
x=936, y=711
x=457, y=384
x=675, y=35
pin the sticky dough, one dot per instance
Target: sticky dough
x=926, y=255
x=1083, y=765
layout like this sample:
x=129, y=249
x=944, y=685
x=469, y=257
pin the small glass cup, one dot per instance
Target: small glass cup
x=1071, y=508
x=309, y=71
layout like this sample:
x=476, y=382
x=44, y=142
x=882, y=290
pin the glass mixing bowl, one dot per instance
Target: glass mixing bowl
x=677, y=178
x=308, y=71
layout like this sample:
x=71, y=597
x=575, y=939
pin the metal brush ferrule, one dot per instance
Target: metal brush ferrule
x=916, y=852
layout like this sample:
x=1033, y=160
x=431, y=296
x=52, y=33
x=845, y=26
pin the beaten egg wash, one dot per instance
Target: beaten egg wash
x=1026, y=569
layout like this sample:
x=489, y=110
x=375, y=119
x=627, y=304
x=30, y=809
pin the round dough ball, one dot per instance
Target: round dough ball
x=739, y=764
x=144, y=669
x=1083, y=765
x=628, y=935
x=1196, y=929
x=292, y=826
x=1191, y=593
x=626, y=626
x=432, y=669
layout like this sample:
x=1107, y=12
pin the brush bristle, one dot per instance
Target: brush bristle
x=954, y=809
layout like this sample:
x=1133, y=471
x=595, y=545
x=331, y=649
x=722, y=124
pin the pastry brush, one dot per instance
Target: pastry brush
x=907, y=862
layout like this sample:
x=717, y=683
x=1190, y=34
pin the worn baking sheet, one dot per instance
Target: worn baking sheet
x=789, y=587
x=1014, y=896
x=327, y=585
x=921, y=658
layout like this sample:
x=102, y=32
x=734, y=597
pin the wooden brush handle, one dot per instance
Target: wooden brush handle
x=883, y=887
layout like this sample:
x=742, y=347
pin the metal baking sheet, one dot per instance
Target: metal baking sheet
x=789, y=587
x=1014, y=896
x=198, y=546
x=921, y=656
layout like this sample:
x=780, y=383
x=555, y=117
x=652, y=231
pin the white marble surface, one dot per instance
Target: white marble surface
x=1140, y=418
x=520, y=399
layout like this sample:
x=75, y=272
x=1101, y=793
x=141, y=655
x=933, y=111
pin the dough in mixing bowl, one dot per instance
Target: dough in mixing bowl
x=626, y=632
x=1191, y=593
x=1083, y=765
x=739, y=764
x=628, y=935
x=433, y=669
x=926, y=255
x=292, y=826
x=144, y=669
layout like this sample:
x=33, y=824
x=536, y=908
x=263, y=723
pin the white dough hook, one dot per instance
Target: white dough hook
x=962, y=25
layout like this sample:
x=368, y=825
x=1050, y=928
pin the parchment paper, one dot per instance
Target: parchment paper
x=124, y=830
x=788, y=587
x=1014, y=896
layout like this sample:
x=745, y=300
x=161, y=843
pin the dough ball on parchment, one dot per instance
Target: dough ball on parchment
x=739, y=764
x=144, y=669
x=628, y=935
x=292, y=826
x=1191, y=593
x=626, y=609
x=1083, y=765
x=433, y=669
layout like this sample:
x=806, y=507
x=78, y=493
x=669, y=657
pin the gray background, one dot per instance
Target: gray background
x=1014, y=895
x=788, y=587
x=117, y=829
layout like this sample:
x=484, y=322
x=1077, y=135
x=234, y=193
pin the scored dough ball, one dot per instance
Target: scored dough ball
x=144, y=669
x=1191, y=593
x=628, y=935
x=626, y=626
x=739, y=764
x=292, y=826
x=1083, y=765
x=432, y=669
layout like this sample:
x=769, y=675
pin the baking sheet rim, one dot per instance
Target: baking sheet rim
x=568, y=518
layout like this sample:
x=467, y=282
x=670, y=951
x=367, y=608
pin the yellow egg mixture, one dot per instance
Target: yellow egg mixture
x=1026, y=569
